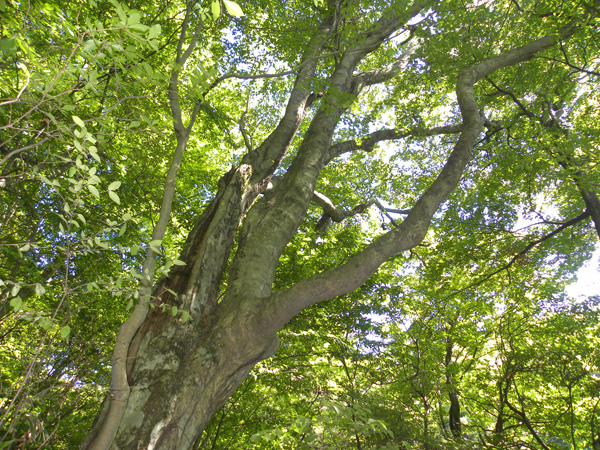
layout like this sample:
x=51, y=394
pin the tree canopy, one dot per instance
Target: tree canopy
x=298, y=224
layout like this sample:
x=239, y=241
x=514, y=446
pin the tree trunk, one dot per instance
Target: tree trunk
x=183, y=375
x=454, y=412
x=180, y=374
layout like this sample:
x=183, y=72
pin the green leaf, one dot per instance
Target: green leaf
x=25, y=248
x=16, y=304
x=185, y=316
x=114, y=185
x=94, y=191
x=114, y=197
x=45, y=323
x=177, y=262
x=134, y=18
x=174, y=310
x=154, y=31
x=78, y=121
x=39, y=289
x=233, y=8
x=8, y=46
x=65, y=331
x=215, y=8
x=120, y=11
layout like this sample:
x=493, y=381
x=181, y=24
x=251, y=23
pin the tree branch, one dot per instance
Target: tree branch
x=382, y=74
x=333, y=213
x=367, y=143
x=285, y=304
x=272, y=221
x=514, y=99
x=589, y=195
x=528, y=247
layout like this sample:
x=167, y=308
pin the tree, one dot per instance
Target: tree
x=439, y=74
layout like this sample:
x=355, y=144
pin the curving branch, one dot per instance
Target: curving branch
x=285, y=304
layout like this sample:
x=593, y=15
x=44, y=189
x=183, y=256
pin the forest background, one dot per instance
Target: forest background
x=299, y=224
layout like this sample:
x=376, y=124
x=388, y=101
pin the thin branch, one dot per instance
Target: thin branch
x=22, y=149
x=257, y=76
x=528, y=247
x=514, y=99
x=18, y=97
x=242, y=126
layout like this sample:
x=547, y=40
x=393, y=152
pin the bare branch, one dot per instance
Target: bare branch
x=526, y=249
x=514, y=99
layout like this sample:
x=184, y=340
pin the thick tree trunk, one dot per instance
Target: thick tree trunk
x=180, y=374
x=183, y=375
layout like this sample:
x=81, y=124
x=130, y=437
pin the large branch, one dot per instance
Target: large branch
x=267, y=157
x=273, y=220
x=285, y=304
x=383, y=74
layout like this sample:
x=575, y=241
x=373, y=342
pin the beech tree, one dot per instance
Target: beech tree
x=328, y=113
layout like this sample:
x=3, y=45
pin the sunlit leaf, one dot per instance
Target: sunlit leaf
x=114, y=185
x=78, y=121
x=93, y=190
x=233, y=8
x=114, y=197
